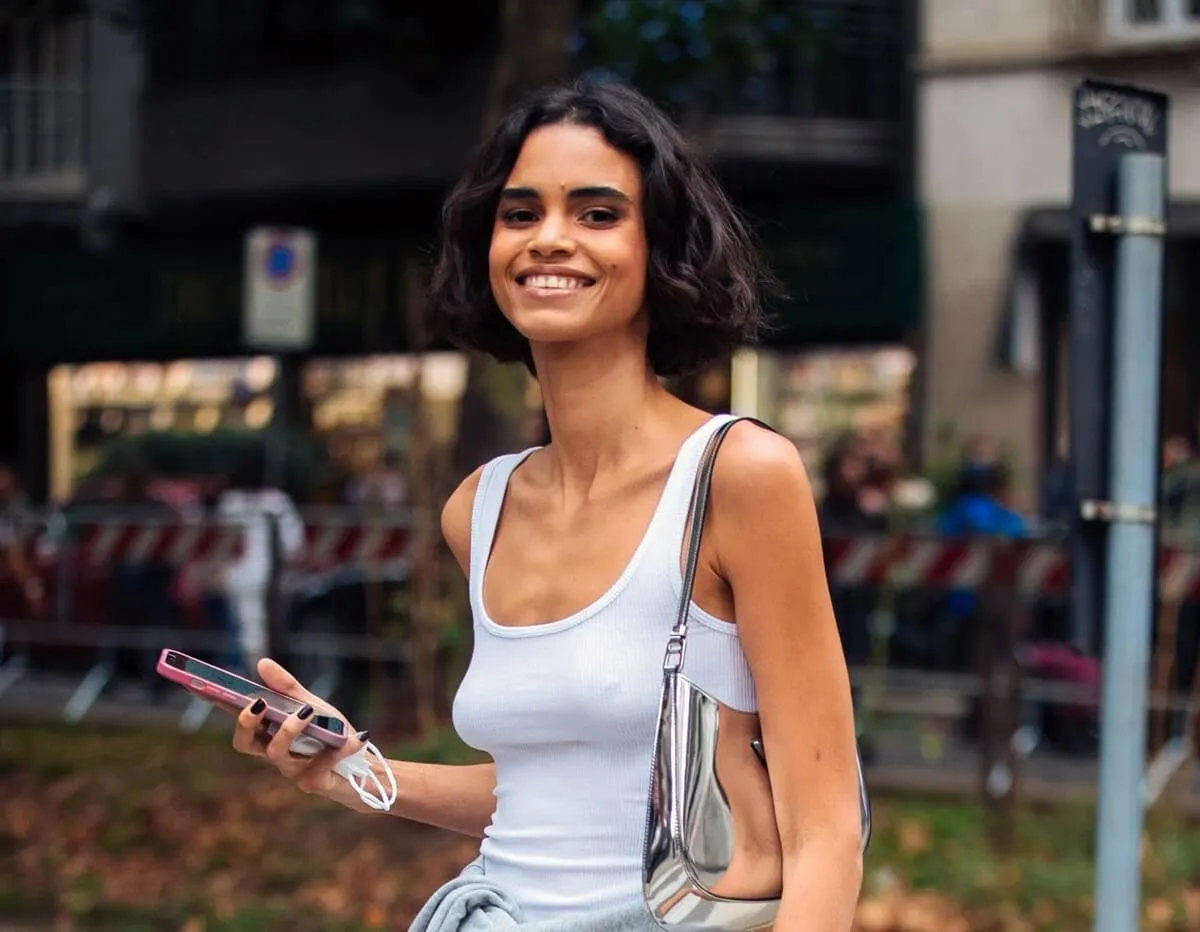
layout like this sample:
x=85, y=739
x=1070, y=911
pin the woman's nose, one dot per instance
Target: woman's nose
x=551, y=238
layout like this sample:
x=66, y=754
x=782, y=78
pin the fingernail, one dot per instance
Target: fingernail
x=258, y=706
x=305, y=713
x=363, y=736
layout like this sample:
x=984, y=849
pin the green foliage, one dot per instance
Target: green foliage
x=703, y=51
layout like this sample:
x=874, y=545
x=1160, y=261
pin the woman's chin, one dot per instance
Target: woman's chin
x=552, y=326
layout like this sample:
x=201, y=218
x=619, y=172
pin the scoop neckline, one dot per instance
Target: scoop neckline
x=619, y=584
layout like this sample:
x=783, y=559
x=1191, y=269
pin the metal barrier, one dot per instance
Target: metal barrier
x=91, y=567
x=893, y=593
x=1013, y=683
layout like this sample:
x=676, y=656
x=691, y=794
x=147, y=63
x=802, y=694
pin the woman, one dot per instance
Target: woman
x=588, y=241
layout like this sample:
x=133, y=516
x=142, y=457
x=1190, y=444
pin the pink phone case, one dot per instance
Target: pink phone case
x=216, y=684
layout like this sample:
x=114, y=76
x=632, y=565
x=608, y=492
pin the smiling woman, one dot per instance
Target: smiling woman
x=542, y=170
x=589, y=242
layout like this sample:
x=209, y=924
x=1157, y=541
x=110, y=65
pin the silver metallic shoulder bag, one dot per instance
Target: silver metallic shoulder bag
x=712, y=858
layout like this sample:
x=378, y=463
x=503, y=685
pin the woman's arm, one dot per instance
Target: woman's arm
x=457, y=798
x=767, y=547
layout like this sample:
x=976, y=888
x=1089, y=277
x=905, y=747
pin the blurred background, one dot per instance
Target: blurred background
x=224, y=425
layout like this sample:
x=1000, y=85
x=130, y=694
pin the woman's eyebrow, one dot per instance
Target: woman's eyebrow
x=589, y=192
x=599, y=191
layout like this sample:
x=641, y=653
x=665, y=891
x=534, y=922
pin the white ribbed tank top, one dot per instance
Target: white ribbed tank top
x=567, y=709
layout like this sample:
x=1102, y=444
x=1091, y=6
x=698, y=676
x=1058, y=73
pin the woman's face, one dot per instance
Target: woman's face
x=568, y=254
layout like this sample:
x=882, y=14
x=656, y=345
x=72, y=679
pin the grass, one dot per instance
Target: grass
x=154, y=830
x=942, y=847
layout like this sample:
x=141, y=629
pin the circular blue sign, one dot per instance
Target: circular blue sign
x=280, y=261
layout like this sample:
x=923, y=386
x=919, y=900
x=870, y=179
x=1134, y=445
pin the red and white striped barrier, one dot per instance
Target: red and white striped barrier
x=376, y=548
x=109, y=543
x=907, y=562
x=1046, y=570
x=926, y=562
x=328, y=545
x=333, y=543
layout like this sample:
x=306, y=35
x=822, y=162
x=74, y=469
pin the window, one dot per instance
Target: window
x=1139, y=20
x=41, y=95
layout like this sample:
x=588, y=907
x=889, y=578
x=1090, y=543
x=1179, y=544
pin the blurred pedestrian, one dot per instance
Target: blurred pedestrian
x=381, y=487
x=1181, y=488
x=216, y=607
x=848, y=510
x=1181, y=523
x=848, y=505
x=141, y=587
x=15, y=523
x=978, y=505
x=273, y=528
x=977, y=509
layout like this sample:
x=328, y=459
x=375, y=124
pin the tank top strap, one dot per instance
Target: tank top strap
x=678, y=493
x=485, y=512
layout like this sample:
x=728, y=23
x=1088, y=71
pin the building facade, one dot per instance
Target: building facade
x=995, y=85
x=69, y=177
x=195, y=121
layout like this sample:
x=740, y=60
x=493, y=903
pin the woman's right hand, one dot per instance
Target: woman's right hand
x=311, y=774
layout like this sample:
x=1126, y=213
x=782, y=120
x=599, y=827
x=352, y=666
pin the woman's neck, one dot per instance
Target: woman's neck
x=600, y=404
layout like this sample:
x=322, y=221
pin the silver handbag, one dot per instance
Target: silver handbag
x=712, y=857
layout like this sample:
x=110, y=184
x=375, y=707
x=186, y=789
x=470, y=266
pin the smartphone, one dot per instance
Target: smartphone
x=218, y=685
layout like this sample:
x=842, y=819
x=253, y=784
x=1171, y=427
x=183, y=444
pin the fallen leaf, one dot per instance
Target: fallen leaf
x=914, y=836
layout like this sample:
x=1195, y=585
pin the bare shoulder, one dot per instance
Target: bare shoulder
x=758, y=468
x=456, y=519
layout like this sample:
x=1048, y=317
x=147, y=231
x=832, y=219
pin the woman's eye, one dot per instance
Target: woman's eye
x=600, y=215
x=520, y=215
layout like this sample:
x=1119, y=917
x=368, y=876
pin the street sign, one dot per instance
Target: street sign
x=279, y=305
x=1108, y=121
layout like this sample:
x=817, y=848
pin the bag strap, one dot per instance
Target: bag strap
x=698, y=508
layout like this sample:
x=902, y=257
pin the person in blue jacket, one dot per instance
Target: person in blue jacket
x=977, y=509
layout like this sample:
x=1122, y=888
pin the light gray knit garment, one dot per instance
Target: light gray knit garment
x=472, y=903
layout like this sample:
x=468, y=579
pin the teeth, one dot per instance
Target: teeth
x=555, y=282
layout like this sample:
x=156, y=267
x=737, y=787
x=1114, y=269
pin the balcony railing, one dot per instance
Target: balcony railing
x=811, y=59
x=846, y=63
x=807, y=80
x=41, y=136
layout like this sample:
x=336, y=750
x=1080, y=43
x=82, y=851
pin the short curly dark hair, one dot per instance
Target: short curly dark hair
x=705, y=280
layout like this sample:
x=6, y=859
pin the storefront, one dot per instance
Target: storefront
x=97, y=409
x=145, y=339
x=184, y=416
x=1034, y=329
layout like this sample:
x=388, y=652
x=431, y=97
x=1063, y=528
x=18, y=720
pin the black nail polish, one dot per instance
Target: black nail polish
x=305, y=713
x=363, y=736
x=258, y=706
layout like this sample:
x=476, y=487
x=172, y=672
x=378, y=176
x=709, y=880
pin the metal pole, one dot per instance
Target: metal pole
x=1131, y=540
